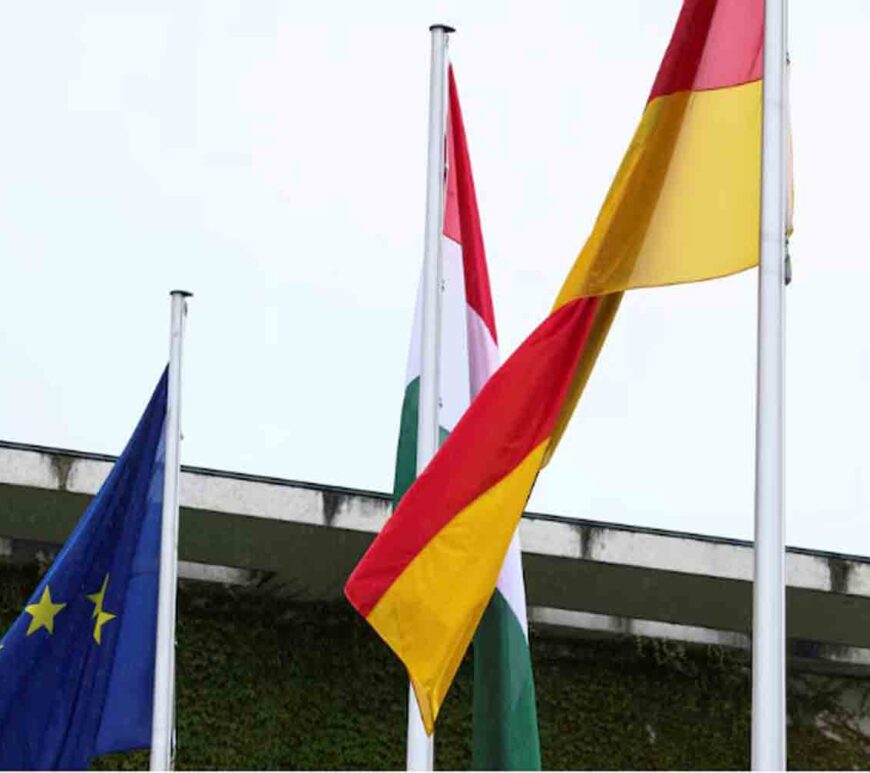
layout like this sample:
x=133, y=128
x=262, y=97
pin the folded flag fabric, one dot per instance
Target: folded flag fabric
x=469, y=344
x=505, y=725
x=77, y=666
x=684, y=206
x=685, y=203
x=504, y=710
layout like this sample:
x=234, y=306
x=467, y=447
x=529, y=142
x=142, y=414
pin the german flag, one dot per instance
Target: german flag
x=684, y=206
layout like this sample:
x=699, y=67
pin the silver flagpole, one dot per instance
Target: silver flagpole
x=163, y=717
x=420, y=747
x=768, y=615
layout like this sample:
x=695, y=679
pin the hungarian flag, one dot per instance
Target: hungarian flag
x=505, y=718
x=684, y=206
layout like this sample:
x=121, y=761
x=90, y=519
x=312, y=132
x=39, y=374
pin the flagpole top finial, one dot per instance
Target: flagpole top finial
x=445, y=27
x=182, y=293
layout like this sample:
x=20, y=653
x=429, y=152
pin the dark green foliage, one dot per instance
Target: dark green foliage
x=267, y=683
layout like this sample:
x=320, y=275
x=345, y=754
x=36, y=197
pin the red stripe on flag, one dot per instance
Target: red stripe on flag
x=716, y=44
x=514, y=413
x=477, y=292
x=452, y=224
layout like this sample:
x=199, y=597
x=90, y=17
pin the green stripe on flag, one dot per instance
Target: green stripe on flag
x=505, y=734
x=406, y=453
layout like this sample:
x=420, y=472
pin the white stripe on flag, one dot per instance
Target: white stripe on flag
x=455, y=390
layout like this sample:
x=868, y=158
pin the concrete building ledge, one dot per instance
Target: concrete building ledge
x=303, y=539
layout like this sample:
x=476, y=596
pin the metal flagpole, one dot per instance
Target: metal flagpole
x=768, y=617
x=162, y=724
x=420, y=747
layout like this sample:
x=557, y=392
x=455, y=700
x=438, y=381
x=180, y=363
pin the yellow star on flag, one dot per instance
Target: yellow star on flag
x=43, y=613
x=102, y=616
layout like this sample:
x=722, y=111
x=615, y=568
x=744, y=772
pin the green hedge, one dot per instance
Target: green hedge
x=267, y=683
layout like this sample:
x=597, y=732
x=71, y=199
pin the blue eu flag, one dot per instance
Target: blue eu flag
x=77, y=667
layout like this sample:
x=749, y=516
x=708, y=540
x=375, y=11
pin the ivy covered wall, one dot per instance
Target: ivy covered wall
x=266, y=683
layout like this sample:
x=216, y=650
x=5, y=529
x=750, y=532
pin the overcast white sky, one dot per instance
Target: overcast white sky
x=270, y=157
